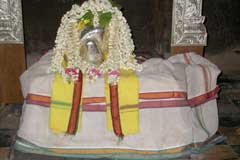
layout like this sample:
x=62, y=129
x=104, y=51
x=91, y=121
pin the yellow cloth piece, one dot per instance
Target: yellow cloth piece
x=61, y=104
x=128, y=92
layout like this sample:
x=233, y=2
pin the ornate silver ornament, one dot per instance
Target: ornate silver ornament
x=11, y=29
x=187, y=24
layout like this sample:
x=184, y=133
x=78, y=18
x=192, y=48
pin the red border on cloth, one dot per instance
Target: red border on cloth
x=45, y=101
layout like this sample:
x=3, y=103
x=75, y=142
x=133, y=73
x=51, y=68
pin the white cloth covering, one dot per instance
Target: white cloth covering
x=161, y=128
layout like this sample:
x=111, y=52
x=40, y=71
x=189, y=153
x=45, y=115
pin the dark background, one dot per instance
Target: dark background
x=150, y=21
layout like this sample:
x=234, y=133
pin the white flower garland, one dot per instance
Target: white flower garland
x=120, y=44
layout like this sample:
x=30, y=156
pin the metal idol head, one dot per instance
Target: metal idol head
x=91, y=45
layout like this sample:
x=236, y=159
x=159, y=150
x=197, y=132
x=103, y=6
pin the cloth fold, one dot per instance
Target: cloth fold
x=128, y=97
x=181, y=128
x=201, y=74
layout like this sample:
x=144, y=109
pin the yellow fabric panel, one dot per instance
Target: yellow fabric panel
x=130, y=121
x=61, y=104
x=128, y=89
x=128, y=92
x=59, y=119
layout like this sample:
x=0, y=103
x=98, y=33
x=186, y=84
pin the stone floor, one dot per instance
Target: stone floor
x=229, y=118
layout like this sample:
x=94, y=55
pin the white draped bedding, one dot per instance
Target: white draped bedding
x=165, y=123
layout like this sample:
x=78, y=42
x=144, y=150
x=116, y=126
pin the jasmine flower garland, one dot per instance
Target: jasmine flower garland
x=119, y=44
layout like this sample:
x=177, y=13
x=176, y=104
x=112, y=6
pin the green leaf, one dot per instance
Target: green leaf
x=65, y=61
x=104, y=18
x=87, y=16
x=115, y=4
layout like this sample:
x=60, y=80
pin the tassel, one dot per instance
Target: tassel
x=116, y=121
x=77, y=95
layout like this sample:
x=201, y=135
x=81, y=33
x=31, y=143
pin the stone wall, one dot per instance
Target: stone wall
x=41, y=20
x=150, y=21
x=223, y=24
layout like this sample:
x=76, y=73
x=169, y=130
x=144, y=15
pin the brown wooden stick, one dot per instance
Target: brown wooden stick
x=116, y=121
x=77, y=94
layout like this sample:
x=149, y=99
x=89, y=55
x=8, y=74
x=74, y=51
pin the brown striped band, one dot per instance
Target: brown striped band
x=45, y=101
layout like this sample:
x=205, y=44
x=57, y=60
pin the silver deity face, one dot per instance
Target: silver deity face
x=91, y=45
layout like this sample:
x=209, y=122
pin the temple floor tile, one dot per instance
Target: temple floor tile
x=219, y=152
x=232, y=134
x=4, y=153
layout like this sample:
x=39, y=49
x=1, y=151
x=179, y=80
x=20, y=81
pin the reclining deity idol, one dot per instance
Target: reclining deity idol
x=89, y=97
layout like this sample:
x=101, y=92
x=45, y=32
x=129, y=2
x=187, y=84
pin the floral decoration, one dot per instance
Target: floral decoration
x=119, y=44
